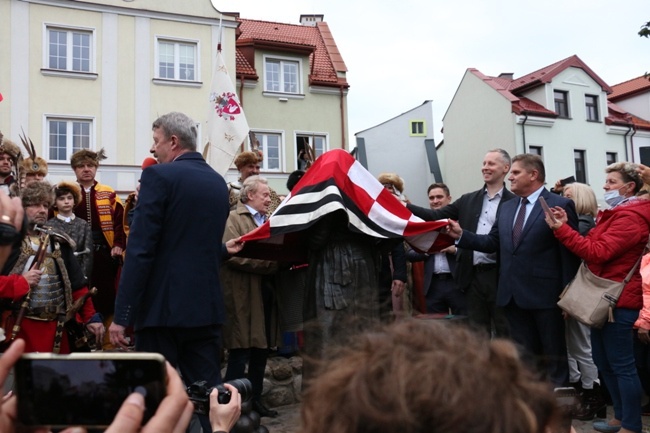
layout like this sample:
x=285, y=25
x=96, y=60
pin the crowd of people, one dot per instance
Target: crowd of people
x=180, y=288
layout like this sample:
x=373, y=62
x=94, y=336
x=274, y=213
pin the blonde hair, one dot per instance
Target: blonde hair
x=584, y=197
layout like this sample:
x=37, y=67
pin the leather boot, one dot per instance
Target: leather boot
x=592, y=405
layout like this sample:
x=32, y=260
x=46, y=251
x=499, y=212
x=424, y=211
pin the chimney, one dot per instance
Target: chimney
x=311, y=20
x=508, y=75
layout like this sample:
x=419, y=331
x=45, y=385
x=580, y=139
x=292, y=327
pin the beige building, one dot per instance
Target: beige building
x=96, y=73
x=292, y=83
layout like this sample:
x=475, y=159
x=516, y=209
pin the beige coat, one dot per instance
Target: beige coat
x=241, y=279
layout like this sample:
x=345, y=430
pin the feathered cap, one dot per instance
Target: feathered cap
x=393, y=179
x=33, y=164
x=246, y=158
x=68, y=188
x=9, y=147
x=87, y=156
x=38, y=192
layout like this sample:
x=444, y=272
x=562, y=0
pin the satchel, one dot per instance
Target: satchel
x=591, y=299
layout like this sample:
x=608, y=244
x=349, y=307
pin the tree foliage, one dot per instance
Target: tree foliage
x=645, y=30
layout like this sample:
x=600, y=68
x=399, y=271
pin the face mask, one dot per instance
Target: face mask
x=613, y=197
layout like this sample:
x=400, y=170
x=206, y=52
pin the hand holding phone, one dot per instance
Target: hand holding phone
x=547, y=210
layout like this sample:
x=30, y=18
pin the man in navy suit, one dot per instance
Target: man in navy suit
x=533, y=266
x=170, y=290
x=476, y=272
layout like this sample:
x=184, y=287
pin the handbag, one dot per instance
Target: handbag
x=591, y=299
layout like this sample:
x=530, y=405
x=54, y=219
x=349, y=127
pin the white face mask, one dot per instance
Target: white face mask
x=613, y=197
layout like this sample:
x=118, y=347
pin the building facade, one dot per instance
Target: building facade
x=559, y=112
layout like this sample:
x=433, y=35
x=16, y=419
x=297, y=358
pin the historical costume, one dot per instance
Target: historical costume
x=48, y=306
x=7, y=147
x=102, y=209
x=77, y=228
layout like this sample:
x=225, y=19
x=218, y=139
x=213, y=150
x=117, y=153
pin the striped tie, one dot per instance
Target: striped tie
x=519, y=223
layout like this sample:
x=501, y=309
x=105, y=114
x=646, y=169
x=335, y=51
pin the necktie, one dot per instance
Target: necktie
x=518, y=228
x=260, y=219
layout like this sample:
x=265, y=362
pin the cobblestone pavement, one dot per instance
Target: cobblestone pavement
x=288, y=421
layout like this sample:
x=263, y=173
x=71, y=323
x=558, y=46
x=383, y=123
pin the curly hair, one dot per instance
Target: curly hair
x=419, y=376
x=628, y=173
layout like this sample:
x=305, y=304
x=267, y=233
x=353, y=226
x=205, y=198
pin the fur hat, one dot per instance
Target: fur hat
x=87, y=156
x=33, y=164
x=68, y=187
x=246, y=158
x=9, y=147
x=37, y=193
x=393, y=179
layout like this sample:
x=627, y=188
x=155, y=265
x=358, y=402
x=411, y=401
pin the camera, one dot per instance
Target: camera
x=199, y=394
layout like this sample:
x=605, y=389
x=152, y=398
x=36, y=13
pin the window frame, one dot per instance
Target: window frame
x=414, y=122
x=564, y=102
x=580, y=172
x=91, y=73
x=261, y=136
x=196, y=43
x=310, y=136
x=591, y=109
x=70, y=120
x=282, y=59
x=607, y=159
x=538, y=150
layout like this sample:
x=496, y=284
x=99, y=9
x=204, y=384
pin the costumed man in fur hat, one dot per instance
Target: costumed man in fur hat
x=9, y=156
x=248, y=164
x=54, y=286
x=102, y=209
x=68, y=195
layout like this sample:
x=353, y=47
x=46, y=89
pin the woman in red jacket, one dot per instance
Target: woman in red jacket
x=610, y=250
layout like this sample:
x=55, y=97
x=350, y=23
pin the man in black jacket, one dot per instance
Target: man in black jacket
x=476, y=272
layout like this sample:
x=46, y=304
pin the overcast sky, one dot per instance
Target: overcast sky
x=401, y=53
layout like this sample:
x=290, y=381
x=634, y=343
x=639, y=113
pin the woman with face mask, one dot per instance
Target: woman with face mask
x=611, y=250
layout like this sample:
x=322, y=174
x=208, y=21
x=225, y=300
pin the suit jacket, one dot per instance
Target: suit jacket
x=171, y=270
x=534, y=273
x=429, y=265
x=466, y=210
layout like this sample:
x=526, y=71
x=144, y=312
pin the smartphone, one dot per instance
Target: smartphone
x=547, y=210
x=85, y=389
x=567, y=401
x=568, y=180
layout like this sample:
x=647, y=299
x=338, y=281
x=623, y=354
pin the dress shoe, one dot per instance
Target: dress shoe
x=604, y=427
x=262, y=410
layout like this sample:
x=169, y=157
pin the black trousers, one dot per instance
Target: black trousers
x=196, y=352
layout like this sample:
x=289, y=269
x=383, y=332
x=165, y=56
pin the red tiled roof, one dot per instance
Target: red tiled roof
x=618, y=116
x=244, y=68
x=546, y=74
x=630, y=88
x=527, y=106
x=324, y=57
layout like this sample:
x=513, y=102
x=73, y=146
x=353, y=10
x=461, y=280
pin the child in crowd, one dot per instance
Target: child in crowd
x=68, y=195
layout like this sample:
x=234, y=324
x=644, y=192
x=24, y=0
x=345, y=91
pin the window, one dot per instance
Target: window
x=611, y=157
x=271, y=148
x=535, y=150
x=66, y=136
x=282, y=75
x=69, y=50
x=579, y=160
x=417, y=128
x=591, y=106
x=561, y=103
x=316, y=142
x=177, y=60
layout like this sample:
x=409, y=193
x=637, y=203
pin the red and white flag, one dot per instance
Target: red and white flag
x=227, y=125
x=337, y=182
